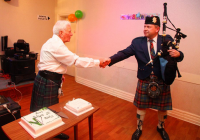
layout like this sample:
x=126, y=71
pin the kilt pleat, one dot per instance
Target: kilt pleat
x=44, y=94
x=142, y=100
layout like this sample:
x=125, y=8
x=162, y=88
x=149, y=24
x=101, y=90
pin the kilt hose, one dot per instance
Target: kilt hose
x=44, y=94
x=142, y=100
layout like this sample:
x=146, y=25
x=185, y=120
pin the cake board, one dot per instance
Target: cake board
x=37, y=135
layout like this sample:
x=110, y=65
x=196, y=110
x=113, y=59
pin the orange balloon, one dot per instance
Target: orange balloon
x=72, y=17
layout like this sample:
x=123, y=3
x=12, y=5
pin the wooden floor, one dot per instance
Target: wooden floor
x=116, y=119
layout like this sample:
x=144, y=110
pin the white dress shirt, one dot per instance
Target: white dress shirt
x=154, y=45
x=55, y=57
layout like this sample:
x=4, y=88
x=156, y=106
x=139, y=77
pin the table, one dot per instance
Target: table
x=15, y=131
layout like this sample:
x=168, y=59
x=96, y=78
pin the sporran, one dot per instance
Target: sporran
x=153, y=89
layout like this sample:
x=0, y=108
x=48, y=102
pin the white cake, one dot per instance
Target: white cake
x=40, y=121
x=78, y=105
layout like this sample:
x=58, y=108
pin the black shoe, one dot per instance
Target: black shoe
x=163, y=133
x=136, y=135
x=62, y=136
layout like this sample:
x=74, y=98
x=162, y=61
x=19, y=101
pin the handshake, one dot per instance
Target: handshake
x=104, y=62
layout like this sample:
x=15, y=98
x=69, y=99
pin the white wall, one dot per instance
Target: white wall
x=102, y=28
x=66, y=7
x=101, y=33
x=19, y=21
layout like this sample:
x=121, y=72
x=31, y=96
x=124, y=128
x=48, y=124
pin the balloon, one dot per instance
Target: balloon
x=72, y=17
x=79, y=14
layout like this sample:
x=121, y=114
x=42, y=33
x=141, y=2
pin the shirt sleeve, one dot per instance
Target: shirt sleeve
x=66, y=57
x=86, y=62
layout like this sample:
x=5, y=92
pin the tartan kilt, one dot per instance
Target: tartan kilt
x=44, y=94
x=142, y=100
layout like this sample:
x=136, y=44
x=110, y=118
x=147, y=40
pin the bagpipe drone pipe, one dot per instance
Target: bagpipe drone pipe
x=169, y=64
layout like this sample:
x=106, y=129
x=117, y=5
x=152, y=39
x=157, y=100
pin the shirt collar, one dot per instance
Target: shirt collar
x=154, y=39
x=57, y=38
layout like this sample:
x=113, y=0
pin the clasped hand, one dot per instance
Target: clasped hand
x=104, y=62
x=174, y=53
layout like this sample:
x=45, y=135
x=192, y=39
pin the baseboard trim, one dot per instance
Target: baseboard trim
x=185, y=116
x=179, y=114
x=106, y=89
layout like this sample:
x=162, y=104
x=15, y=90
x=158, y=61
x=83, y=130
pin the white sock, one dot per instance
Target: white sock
x=140, y=117
x=162, y=116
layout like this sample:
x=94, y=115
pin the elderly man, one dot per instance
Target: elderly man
x=54, y=59
x=144, y=48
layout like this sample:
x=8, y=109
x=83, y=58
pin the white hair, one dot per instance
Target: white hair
x=59, y=26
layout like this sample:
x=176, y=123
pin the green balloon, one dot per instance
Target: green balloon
x=79, y=14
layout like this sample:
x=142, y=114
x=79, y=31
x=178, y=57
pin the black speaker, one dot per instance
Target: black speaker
x=21, y=67
x=5, y=64
x=4, y=42
x=20, y=78
x=21, y=56
x=33, y=55
x=6, y=117
x=9, y=52
x=21, y=47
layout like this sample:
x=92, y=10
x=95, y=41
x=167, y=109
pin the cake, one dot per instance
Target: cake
x=78, y=106
x=41, y=121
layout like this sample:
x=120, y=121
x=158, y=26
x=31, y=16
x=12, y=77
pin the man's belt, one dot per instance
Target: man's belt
x=50, y=75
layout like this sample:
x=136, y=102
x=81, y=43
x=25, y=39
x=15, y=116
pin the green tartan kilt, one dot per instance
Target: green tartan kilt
x=44, y=94
x=142, y=100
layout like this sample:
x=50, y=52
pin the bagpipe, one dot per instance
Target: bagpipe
x=168, y=64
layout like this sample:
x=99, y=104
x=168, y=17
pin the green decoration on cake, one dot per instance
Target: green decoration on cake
x=44, y=108
x=36, y=122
